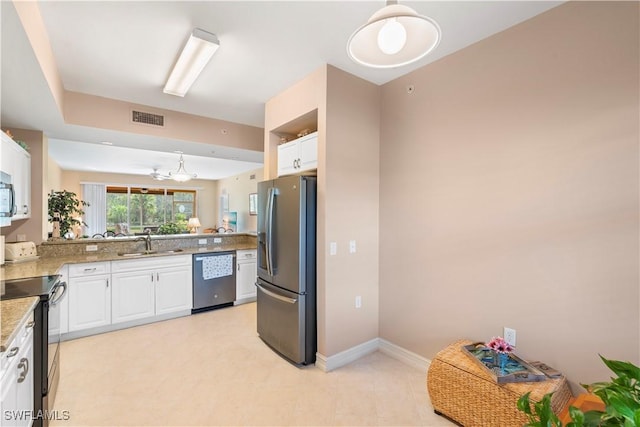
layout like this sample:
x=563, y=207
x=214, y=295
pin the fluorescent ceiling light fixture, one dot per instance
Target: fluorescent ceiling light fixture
x=196, y=54
x=181, y=175
x=394, y=36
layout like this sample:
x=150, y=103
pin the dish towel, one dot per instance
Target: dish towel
x=217, y=266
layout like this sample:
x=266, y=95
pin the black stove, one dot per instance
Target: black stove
x=29, y=287
x=46, y=337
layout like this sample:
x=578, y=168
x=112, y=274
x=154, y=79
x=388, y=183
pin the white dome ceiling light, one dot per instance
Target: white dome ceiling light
x=394, y=36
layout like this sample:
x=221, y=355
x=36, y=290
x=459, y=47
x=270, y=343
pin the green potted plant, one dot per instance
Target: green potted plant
x=68, y=207
x=621, y=397
x=170, y=228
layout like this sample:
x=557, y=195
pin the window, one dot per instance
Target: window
x=136, y=209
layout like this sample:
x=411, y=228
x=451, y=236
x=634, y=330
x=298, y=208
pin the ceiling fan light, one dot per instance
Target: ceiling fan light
x=181, y=175
x=372, y=44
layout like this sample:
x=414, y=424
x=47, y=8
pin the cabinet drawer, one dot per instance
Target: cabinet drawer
x=150, y=263
x=89, y=269
x=24, y=333
x=247, y=255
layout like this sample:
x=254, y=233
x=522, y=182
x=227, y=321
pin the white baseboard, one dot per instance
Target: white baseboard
x=408, y=357
x=345, y=357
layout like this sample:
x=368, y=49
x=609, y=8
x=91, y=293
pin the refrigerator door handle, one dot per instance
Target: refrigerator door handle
x=271, y=197
x=276, y=296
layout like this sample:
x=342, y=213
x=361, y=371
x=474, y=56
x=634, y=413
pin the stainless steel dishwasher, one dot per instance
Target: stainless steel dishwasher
x=214, y=280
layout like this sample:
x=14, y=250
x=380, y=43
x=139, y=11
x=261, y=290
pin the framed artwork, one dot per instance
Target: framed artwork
x=253, y=204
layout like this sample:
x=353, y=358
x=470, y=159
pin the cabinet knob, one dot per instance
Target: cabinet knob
x=13, y=352
x=107, y=283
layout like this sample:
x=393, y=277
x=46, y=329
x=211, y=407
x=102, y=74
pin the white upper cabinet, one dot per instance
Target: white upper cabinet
x=299, y=155
x=15, y=161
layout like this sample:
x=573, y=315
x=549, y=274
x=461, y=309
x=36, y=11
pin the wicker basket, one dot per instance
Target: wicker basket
x=464, y=392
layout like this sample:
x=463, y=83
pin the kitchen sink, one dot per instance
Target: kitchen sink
x=141, y=253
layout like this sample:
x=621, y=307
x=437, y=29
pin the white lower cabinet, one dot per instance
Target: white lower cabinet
x=16, y=382
x=109, y=295
x=174, y=290
x=89, y=295
x=246, y=266
x=132, y=296
x=151, y=287
x=89, y=302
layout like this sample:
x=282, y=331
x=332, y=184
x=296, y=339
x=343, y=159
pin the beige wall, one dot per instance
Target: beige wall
x=54, y=175
x=238, y=189
x=348, y=178
x=509, y=193
x=34, y=228
x=98, y=112
x=206, y=190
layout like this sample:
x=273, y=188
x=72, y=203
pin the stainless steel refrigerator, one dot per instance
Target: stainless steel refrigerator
x=286, y=282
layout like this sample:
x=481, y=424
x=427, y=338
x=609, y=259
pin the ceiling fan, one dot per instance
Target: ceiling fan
x=158, y=176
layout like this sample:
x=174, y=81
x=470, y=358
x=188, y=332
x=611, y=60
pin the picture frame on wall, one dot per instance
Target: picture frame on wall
x=253, y=204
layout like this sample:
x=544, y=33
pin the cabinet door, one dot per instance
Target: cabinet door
x=308, y=153
x=89, y=302
x=245, y=280
x=9, y=392
x=132, y=296
x=24, y=381
x=287, y=158
x=22, y=183
x=173, y=290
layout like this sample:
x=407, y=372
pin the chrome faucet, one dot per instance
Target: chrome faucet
x=147, y=241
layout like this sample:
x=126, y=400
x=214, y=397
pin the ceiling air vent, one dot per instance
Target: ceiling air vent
x=147, y=118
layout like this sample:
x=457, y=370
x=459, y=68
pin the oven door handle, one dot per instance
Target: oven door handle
x=55, y=300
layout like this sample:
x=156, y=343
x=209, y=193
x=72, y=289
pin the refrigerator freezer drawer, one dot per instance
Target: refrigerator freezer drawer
x=286, y=323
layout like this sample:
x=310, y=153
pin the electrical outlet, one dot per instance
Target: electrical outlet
x=21, y=238
x=358, y=301
x=92, y=248
x=217, y=240
x=202, y=241
x=510, y=336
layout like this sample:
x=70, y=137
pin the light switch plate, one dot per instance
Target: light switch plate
x=352, y=246
x=333, y=248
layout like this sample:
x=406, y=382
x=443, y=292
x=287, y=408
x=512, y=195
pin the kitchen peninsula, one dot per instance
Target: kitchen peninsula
x=54, y=254
x=65, y=256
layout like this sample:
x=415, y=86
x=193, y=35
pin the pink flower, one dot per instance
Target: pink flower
x=499, y=345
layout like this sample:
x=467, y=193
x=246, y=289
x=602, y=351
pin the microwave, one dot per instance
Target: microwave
x=7, y=199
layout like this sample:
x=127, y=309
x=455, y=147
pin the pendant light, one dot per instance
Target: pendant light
x=394, y=36
x=181, y=175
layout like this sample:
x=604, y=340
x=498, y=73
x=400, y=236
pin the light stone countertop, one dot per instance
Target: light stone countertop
x=14, y=314
x=45, y=266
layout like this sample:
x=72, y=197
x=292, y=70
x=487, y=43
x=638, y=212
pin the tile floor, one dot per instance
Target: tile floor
x=212, y=369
